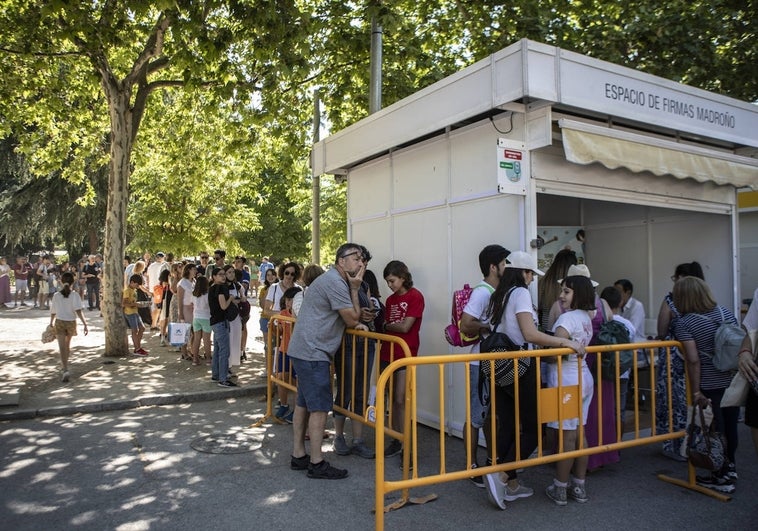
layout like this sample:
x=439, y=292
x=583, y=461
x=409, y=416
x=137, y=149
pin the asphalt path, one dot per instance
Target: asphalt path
x=137, y=469
x=149, y=468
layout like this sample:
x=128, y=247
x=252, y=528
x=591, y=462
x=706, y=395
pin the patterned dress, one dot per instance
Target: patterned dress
x=678, y=389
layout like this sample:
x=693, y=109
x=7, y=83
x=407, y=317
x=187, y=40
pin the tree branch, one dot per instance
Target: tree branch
x=153, y=47
x=40, y=54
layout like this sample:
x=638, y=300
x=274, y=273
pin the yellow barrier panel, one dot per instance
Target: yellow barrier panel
x=562, y=402
x=355, y=344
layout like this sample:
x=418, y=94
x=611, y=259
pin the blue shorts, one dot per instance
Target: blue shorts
x=283, y=364
x=314, y=385
x=134, y=320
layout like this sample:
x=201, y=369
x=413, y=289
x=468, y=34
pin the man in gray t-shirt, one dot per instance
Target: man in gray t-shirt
x=329, y=306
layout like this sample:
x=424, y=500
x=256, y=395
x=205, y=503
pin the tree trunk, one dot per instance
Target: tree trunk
x=116, y=341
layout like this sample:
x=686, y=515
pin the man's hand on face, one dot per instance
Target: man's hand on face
x=356, y=278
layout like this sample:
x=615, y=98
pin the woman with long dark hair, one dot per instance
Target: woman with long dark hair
x=512, y=307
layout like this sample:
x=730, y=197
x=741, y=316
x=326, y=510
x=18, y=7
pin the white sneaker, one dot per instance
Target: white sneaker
x=163, y=341
x=495, y=489
x=64, y=376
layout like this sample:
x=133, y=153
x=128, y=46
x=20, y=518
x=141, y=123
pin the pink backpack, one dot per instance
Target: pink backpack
x=452, y=331
x=460, y=299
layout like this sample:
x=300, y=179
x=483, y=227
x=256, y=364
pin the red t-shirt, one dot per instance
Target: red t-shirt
x=21, y=271
x=398, y=307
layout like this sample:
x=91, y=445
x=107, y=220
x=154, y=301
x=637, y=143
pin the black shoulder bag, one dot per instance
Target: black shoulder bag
x=504, y=368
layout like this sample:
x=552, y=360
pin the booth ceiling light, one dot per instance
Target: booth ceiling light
x=585, y=143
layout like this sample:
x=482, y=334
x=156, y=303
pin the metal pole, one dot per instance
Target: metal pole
x=316, y=189
x=375, y=82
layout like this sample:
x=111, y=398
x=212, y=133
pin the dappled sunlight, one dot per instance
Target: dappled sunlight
x=143, y=499
x=16, y=466
x=139, y=525
x=120, y=463
x=117, y=484
x=160, y=460
x=279, y=498
x=43, y=477
x=32, y=368
x=84, y=518
x=30, y=508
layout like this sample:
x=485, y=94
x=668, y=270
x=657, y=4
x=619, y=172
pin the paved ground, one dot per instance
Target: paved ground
x=92, y=464
x=30, y=371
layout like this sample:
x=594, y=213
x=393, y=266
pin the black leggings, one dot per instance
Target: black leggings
x=505, y=404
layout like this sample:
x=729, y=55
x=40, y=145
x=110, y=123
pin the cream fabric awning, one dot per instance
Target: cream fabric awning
x=586, y=143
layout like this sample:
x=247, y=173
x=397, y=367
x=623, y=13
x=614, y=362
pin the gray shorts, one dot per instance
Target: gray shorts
x=314, y=384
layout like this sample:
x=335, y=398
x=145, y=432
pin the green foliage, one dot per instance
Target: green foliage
x=282, y=229
x=707, y=44
x=229, y=96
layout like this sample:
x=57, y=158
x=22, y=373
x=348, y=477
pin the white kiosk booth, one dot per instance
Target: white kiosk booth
x=524, y=148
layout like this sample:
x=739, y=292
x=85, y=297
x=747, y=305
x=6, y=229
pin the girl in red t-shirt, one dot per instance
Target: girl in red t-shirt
x=404, y=309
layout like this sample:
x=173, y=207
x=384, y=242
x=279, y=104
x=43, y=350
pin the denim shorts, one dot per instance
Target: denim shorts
x=478, y=411
x=135, y=323
x=314, y=384
x=283, y=363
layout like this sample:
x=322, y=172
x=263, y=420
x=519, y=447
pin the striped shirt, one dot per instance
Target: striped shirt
x=701, y=328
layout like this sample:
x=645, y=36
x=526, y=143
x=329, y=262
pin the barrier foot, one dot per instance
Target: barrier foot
x=695, y=487
x=258, y=423
x=402, y=502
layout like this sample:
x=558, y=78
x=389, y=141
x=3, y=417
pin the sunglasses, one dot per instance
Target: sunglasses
x=289, y=273
x=203, y=258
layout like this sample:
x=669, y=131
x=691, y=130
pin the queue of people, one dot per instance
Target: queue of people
x=213, y=300
x=573, y=320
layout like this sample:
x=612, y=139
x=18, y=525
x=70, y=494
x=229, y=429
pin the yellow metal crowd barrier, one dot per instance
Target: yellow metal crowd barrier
x=356, y=344
x=553, y=404
x=374, y=387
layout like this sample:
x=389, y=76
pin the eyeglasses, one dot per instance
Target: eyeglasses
x=289, y=273
x=351, y=254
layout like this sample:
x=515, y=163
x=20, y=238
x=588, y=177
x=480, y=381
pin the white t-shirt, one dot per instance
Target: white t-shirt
x=477, y=307
x=154, y=273
x=65, y=308
x=578, y=324
x=201, y=309
x=519, y=302
x=635, y=313
x=187, y=286
x=274, y=294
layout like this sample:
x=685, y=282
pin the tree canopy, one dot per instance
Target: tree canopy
x=182, y=124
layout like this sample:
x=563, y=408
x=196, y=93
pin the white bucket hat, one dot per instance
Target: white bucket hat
x=522, y=260
x=579, y=270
